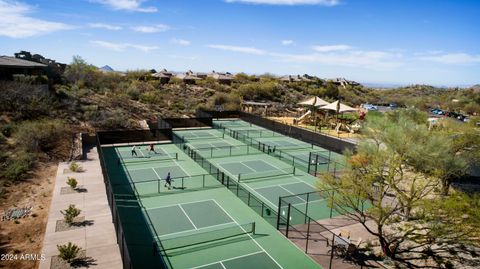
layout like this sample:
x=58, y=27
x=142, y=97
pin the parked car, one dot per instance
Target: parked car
x=370, y=107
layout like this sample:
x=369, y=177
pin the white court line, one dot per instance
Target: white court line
x=186, y=173
x=199, y=229
x=249, y=235
x=193, y=202
x=295, y=177
x=292, y=193
x=188, y=217
x=229, y=259
x=176, y=163
x=158, y=176
x=236, y=162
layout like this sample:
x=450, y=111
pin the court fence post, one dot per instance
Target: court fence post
x=308, y=235
x=332, y=251
x=158, y=185
x=288, y=219
x=248, y=200
x=263, y=210
x=331, y=205
x=279, y=213
x=306, y=207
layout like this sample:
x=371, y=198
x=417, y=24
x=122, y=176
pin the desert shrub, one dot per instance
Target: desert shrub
x=16, y=167
x=70, y=214
x=152, y=97
x=116, y=119
x=25, y=100
x=268, y=90
x=68, y=252
x=42, y=135
x=72, y=182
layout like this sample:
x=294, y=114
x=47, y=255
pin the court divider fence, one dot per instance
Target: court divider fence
x=265, y=211
x=155, y=246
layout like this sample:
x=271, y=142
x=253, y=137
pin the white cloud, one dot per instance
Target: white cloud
x=287, y=42
x=288, y=2
x=130, y=5
x=377, y=60
x=105, y=26
x=181, y=42
x=16, y=23
x=330, y=48
x=247, y=50
x=151, y=29
x=122, y=46
x=452, y=58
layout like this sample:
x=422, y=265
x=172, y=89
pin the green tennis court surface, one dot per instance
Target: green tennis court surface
x=269, y=178
x=196, y=222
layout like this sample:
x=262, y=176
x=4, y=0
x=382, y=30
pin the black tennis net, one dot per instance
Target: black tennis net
x=208, y=235
x=266, y=174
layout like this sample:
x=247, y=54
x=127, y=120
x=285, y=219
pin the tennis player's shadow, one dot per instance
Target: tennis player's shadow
x=208, y=245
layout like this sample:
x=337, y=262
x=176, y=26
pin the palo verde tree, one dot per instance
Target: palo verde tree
x=414, y=224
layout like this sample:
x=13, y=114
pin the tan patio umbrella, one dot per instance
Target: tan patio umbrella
x=339, y=107
x=314, y=102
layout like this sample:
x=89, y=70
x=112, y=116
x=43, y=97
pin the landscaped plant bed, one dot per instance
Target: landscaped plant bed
x=78, y=223
x=69, y=190
x=58, y=263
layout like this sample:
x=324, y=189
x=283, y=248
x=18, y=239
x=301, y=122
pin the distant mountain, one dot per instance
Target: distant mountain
x=106, y=68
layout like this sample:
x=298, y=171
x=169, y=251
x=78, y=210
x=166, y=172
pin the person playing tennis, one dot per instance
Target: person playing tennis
x=134, y=152
x=152, y=148
x=168, y=181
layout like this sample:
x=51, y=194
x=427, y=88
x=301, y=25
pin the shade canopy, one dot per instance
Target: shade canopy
x=314, y=101
x=334, y=106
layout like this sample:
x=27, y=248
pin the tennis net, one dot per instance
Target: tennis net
x=203, y=137
x=208, y=235
x=266, y=174
x=226, y=151
x=255, y=133
x=148, y=158
x=226, y=124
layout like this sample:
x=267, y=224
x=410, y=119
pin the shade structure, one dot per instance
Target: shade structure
x=314, y=101
x=334, y=106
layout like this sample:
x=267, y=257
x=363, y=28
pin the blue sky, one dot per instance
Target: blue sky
x=399, y=42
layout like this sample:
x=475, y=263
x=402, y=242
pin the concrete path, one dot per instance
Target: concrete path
x=98, y=237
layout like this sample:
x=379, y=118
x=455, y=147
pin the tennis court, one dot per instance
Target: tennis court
x=268, y=178
x=293, y=151
x=205, y=228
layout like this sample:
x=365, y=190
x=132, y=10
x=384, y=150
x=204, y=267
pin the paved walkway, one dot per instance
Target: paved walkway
x=98, y=236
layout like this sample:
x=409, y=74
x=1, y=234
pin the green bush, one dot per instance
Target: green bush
x=75, y=167
x=70, y=214
x=40, y=136
x=6, y=129
x=17, y=166
x=68, y=252
x=72, y=182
